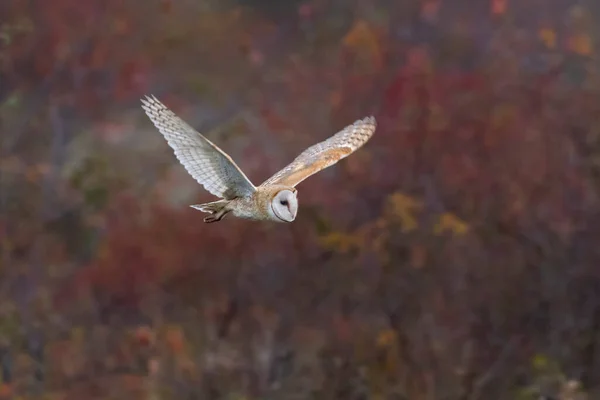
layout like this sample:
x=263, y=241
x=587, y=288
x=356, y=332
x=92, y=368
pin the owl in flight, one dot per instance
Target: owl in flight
x=275, y=199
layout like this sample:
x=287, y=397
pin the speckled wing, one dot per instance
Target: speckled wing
x=203, y=160
x=325, y=154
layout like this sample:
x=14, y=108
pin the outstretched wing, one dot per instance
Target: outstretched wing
x=204, y=161
x=325, y=154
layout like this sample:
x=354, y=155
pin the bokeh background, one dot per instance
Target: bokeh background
x=455, y=256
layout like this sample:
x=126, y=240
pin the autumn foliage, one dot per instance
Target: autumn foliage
x=453, y=257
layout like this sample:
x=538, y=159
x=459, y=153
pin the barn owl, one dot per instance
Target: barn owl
x=276, y=198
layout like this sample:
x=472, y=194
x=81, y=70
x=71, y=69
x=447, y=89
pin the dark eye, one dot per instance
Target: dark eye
x=283, y=202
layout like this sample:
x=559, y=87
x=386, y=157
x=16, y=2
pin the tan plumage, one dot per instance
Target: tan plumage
x=275, y=199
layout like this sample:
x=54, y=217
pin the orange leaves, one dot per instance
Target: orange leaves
x=407, y=210
x=341, y=242
x=386, y=345
x=35, y=173
x=578, y=39
x=448, y=222
x=387, y=338
x=175, y=339
x=364, y=41
x=402, y=214
x=580, y=43
x=14, y=167
x=401, y=209
x=404, y=208
x=171, y=337
x=548, y=37
x=6, y=391
x=361, y=36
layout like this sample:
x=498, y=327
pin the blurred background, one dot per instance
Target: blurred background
x=455, y=256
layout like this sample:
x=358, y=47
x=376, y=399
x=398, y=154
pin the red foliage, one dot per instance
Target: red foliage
x=440, y=259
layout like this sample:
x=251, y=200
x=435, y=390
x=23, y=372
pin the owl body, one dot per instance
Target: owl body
x=276, y=198
x=275, y=203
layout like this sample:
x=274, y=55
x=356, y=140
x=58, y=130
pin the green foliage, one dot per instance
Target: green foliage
x=548, y=380
x=92, y=180
x=10, y=31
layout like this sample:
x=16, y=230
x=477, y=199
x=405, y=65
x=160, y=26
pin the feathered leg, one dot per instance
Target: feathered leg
x=217, y=209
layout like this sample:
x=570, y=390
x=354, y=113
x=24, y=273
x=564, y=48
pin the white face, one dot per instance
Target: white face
x=285, y=205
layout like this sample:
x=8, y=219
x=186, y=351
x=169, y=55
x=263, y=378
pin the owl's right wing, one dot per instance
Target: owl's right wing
x=203, y=160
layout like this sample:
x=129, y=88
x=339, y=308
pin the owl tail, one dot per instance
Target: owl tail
x=217, y=209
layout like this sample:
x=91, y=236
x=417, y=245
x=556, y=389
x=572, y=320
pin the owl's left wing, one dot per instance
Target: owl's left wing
x=325, y=153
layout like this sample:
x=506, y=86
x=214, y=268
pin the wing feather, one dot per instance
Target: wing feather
x=203, y=160
x=326, y=153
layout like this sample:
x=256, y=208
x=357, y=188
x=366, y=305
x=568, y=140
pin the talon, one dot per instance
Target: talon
x=210, y=219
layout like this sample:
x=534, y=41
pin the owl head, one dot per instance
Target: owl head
x=283, y=206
